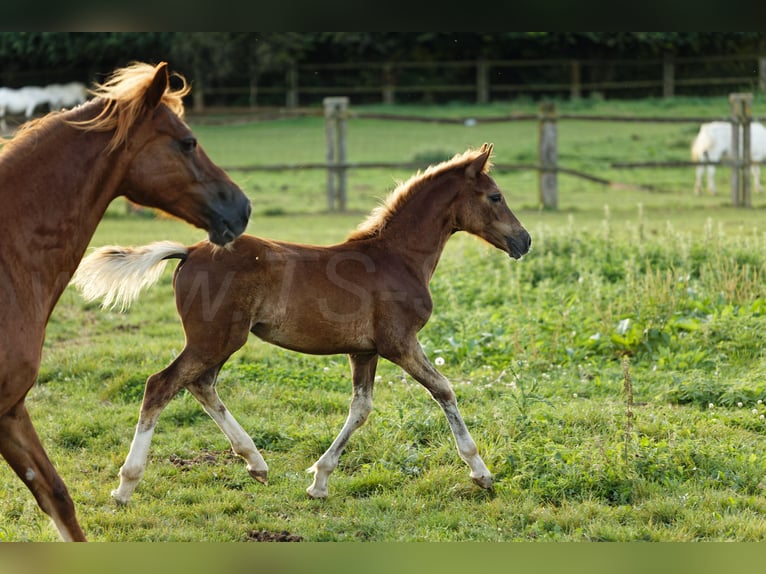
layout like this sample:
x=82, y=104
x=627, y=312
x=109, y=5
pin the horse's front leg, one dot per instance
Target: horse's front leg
x=415, y=362
x=363, y=376
x=21, y=448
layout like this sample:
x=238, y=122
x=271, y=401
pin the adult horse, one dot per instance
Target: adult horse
x=366, y=297
x=57, y=177
x=714, y=142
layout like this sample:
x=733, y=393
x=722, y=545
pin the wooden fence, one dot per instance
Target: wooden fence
x=483, y=81
x=337, y=114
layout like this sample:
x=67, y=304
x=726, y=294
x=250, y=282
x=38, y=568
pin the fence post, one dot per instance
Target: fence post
x=482, y=82
x=575, y=90
x=291, y=98
x=198, y=93
x=388, y=83
x=741, y=113
x=335, y=111
x=668, y=76
x=548, y=156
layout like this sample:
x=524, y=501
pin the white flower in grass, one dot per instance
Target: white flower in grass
x=710, y=405
x=739, y=404
x=439, y=361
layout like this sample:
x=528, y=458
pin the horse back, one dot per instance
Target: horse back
x=344, y=298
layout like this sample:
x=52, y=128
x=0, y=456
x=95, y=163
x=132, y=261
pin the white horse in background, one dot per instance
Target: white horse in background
x=66, y=95
x=24, y=100
x=714, y=141
x=27, y=99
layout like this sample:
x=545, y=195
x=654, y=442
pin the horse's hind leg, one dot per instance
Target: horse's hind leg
x=414, y=361
x=20, y=446
x=363, y=376
x=204, y=391
x=698, y=179
x=756, y=169
x=160, y=389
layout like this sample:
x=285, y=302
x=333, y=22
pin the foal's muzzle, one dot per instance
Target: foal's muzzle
x=519, y=244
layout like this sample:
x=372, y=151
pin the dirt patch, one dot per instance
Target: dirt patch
x=205, y=457
x=266, y=536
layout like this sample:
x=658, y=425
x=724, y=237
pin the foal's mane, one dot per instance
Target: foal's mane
x=381, y=215
x=123, y=93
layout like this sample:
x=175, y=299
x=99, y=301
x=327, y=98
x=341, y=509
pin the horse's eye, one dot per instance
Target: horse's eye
x=496, y=198
x=189, y=144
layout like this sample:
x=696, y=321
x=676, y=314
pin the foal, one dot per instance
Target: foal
x=367, y=297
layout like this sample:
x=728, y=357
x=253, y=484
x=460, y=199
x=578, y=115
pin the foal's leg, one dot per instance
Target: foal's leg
x=415, y=362
x=204, y=391
x=20, y=446
x=160, y=389
x=363, y=377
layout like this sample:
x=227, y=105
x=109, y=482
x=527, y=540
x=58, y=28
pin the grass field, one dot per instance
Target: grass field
x=614, y=378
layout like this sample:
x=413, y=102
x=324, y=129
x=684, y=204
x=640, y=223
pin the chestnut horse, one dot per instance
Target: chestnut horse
x=57, y=177
x=367, y=297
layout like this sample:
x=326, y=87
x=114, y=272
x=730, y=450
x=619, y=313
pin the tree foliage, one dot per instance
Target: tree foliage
x=218, y=55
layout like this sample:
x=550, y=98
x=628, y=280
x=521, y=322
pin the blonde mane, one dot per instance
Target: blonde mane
x=124, y=94
x=381, y=215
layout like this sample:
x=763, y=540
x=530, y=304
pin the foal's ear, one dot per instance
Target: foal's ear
x=157, y=88
x=478, y=165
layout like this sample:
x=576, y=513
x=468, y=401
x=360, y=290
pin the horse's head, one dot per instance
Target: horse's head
x=481, y=209
x=167, y=169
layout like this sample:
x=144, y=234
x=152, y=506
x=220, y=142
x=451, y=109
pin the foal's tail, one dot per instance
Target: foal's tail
x=119, y=274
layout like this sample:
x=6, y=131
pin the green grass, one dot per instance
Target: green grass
x=672, y=283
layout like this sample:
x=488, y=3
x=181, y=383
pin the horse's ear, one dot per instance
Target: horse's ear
x=157, y=88
x=477, y=166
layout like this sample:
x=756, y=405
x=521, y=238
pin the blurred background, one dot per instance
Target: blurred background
x=300, y=68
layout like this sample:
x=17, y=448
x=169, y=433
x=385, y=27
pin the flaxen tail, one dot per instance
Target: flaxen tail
x=119, y=274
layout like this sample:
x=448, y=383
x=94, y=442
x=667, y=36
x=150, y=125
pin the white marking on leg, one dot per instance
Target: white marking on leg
x=466, y=446
x=243, y=445
x=135, y=464
x=361, y=406
x=241, y=442
x=30, y=475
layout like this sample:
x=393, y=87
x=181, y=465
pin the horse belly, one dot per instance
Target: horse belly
x=317, y=335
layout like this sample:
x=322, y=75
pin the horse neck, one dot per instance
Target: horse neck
x=55, y=184
x=421, y=226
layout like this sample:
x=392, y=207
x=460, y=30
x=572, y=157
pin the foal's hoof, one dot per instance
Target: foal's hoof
x=260, y=475
x=485, y=481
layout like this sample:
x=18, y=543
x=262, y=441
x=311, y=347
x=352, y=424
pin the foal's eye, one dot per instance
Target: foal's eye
x=189, y=144
x=496, y=198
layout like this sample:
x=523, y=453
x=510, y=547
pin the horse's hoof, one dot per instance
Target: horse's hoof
x=315, y=493
x=260, y=475
x=484, y=481
x=119, y=499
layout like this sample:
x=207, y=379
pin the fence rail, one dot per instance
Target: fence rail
x=486, y=80
x=337, y=113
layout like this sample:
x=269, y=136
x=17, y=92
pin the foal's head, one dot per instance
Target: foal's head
x=166, y=169
x=480, y=208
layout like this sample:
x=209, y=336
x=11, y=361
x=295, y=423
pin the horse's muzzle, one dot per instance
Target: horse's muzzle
x=519, y=244
x=228, y=219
